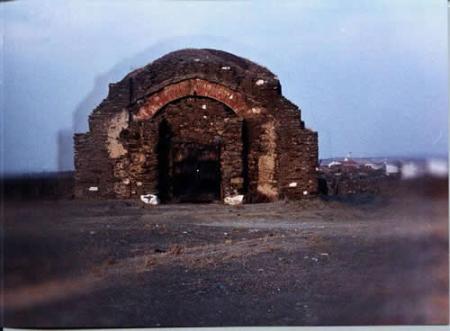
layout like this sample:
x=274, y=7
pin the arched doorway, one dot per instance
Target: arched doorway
x=200, y=151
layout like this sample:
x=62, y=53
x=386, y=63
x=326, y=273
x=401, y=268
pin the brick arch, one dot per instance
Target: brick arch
x=194, y=87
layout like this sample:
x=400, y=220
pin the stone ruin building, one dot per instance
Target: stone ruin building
x=197, y=125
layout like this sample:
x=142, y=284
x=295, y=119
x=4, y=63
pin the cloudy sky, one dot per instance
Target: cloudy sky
x=369, y=76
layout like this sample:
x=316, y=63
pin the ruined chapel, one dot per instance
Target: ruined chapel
x=197, y=125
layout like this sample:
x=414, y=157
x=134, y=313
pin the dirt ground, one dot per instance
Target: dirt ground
x=359, y=261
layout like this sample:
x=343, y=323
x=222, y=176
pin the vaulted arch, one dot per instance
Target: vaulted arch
x=195, y=87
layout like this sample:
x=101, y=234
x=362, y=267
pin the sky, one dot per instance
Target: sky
x=370, y=76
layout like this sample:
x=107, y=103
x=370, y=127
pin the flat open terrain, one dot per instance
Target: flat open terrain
x=380, y=260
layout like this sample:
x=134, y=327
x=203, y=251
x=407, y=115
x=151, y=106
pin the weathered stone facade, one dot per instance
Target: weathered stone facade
x=197, y=125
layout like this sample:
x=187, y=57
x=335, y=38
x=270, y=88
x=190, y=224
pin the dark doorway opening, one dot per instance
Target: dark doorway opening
x=196, y=172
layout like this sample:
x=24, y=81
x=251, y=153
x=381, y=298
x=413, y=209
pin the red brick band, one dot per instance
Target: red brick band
x=192, y=87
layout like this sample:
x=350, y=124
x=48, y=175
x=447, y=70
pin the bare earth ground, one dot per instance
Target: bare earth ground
x=381, y=260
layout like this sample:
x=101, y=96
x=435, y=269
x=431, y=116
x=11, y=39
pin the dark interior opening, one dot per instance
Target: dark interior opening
x=196, y=172
x=187, y=172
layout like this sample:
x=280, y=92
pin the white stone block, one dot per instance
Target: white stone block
x=150, y=199
x=234, y=200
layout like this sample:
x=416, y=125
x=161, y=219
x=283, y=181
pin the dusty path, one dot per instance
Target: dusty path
x=114, y=263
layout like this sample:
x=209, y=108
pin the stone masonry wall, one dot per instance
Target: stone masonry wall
x=95, y=151
x=298, y=150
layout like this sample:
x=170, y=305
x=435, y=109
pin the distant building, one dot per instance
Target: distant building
x=437, y=167
x=334, y=164
x=373, y=166
x=410, y=170
x=392, y=169
x=350, y=164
